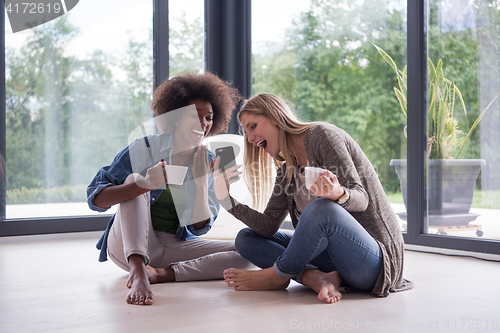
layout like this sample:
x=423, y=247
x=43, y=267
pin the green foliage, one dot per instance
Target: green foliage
x=67, y=116
x=444, y=135
x=330, y=71
x=486, y=199
x=276, y=73
x=186, y=45
x=66, y=193
x=395, y=197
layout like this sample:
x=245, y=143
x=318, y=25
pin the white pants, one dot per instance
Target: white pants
x=191, y=260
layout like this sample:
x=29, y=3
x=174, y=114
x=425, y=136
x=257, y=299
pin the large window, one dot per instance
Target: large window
x=463, y=44
x=323, y=57
x=75, y=88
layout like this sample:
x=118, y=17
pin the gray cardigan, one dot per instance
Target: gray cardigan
x=332, y=148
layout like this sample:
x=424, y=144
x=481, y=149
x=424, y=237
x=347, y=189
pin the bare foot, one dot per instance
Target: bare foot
x=264, y=279
x=138, y=282
x=325, y=284
x=156, y=275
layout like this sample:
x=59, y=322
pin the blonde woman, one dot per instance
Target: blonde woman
x=345, y=229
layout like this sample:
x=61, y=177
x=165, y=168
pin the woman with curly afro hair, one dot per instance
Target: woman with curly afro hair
x=153, y=233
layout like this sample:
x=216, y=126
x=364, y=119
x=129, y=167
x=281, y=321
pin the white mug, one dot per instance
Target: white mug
x=312, y=173
x=175, y=174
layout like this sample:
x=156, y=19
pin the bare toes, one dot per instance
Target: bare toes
x=129, y=283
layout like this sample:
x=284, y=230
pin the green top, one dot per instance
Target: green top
x=165, y=212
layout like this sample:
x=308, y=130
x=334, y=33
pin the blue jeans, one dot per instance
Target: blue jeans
x=327, y=237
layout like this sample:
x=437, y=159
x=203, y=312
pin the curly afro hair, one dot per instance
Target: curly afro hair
x=178, y=91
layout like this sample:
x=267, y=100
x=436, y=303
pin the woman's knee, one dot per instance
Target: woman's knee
x=244, y=239
x=137, y=207
x=321, y=204
x=322, y=210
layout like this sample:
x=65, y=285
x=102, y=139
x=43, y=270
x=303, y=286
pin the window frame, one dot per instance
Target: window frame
x=417, y=142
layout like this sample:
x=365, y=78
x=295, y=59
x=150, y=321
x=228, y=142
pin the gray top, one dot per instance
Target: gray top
x=302, y=196
x=330, y=147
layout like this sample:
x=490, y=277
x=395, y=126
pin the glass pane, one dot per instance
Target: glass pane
x=186, y=36
x=321, y=55
x=464, y=83
x=75, y=88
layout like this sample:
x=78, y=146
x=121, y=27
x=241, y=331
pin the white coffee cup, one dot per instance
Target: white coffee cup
x=312, y=173
x=175, y=174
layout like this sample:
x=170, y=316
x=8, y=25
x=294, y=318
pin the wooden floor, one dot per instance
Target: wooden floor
x=57, y=285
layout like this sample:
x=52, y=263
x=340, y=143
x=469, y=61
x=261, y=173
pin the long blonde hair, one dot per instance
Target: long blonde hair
x=258, y=174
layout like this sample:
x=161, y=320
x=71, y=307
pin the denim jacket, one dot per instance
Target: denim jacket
x=138, y=157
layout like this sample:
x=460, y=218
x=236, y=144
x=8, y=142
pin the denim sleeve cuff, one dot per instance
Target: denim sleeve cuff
x=205, y=229
x=91, y=197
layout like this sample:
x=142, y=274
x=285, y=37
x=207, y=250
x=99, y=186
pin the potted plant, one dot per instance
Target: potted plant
x=451, y=181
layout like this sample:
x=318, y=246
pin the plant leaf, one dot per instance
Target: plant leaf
x=440, y=126
x=387, y=58
x=432, y=70
x=402, y=101
x=476, y=123
x=439, y=75
x=461, y=98
x=404, y=79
